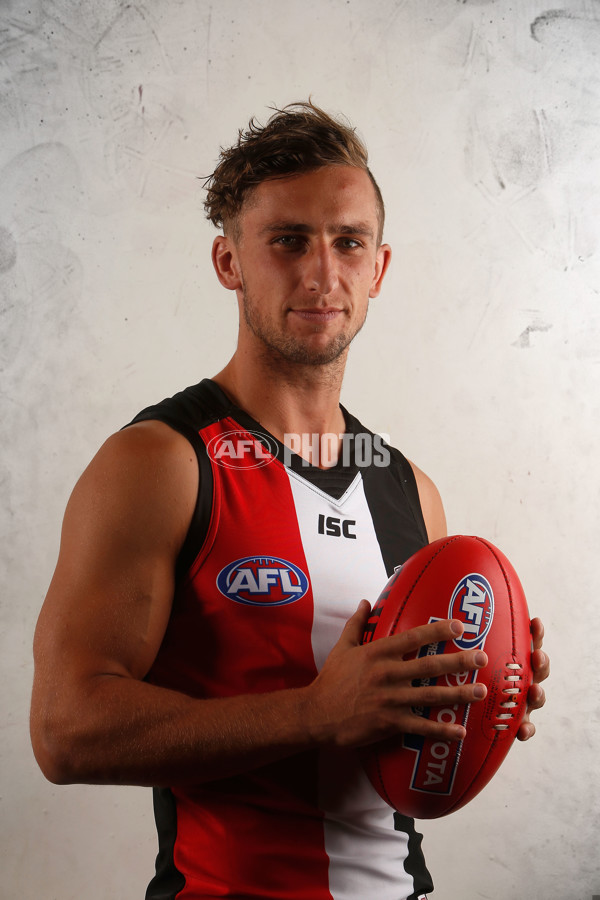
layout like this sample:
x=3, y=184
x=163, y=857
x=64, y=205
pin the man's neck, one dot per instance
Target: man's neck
x=295, y=400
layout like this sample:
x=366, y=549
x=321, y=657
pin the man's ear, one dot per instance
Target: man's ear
x=225, y=261
x=384, y=257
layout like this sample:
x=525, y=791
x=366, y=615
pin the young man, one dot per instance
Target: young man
x=202, y=633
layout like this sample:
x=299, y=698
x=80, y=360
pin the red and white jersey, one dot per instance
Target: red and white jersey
x=277, y=559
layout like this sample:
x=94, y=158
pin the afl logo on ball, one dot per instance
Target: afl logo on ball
x=262, y=581
x=472, y=603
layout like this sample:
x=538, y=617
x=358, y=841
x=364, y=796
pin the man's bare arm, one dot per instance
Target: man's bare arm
x=431, y=505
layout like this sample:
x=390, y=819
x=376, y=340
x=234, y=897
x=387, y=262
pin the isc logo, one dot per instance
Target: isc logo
x=473, y=604
x=262, y=581
x=335, y=527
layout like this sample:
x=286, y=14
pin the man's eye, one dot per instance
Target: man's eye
x=290, y=241
x=349, y=243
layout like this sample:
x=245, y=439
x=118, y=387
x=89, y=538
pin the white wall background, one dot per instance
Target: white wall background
x=481, y=359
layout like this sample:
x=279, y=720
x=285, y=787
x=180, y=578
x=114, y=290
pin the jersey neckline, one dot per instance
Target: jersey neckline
x=333, y=480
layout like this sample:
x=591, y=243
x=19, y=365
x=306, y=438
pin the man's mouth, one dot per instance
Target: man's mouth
x=322, y=315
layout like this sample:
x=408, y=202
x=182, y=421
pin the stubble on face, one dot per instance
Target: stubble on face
x=280, y=349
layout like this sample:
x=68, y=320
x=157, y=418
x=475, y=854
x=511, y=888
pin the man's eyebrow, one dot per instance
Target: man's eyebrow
x=357, y=228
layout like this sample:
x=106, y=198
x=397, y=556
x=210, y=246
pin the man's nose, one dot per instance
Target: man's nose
x=320, y=273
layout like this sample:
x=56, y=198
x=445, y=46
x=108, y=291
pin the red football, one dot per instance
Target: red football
x=463, y=578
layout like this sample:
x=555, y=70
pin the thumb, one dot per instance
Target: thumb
x=355, y=626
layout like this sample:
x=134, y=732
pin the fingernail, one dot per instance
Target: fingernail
x=480, y=659
x=479, y=692
x=456, y=627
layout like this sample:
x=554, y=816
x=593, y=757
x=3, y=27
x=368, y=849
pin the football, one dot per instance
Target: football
x=468, y=579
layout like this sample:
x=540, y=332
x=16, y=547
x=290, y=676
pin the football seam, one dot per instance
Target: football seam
x=450, y=540
x=461, y=800
x=510, y=593
x=388, y=799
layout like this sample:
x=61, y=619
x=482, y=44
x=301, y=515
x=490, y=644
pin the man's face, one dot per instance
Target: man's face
x=307, y=263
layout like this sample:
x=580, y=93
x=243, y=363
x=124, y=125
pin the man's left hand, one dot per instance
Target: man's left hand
x=536, y=696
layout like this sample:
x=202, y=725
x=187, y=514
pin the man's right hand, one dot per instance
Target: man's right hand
x=365, y=693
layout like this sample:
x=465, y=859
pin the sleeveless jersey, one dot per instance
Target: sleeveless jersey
x=277, y=558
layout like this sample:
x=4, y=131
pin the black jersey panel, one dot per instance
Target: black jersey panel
x=414, y=863
x=399, y=524
x=168, y=880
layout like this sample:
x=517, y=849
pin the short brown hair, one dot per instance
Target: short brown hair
x=296, y=139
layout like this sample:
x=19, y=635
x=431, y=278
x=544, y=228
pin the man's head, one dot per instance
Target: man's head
x=297, y=139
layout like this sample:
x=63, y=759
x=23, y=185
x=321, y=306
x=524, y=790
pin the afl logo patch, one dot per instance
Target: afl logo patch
x=242, y=450
x=472, y=603
x=262, y=581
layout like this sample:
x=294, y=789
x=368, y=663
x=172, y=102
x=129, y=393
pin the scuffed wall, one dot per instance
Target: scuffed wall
x=480, y=359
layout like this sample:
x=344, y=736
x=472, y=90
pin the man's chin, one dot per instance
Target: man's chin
x=307, y=355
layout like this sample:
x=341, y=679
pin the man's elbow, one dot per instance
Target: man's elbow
x=50, y=756
x=55, y=747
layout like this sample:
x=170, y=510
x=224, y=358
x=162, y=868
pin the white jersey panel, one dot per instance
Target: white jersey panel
x=343, y=569
x=366, y=853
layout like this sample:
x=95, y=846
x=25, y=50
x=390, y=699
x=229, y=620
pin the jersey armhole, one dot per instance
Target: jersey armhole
x=410, y=487
x=200, y=522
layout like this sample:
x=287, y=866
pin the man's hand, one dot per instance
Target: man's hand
x=365, y=693
x=541, y=669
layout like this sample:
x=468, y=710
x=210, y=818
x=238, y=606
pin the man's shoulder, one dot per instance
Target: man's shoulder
x=190, y=409
x=140, y=453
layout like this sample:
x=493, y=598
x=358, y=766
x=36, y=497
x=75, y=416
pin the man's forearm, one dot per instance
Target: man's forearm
x=123, y=731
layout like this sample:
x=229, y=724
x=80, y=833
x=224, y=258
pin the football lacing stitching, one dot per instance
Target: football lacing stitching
x=502, y=724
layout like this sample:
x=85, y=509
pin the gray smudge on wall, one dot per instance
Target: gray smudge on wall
x=523, y=342
x=544, y=21
x=8, y=250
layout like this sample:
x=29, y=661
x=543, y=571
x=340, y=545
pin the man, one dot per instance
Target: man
x=202, y=632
